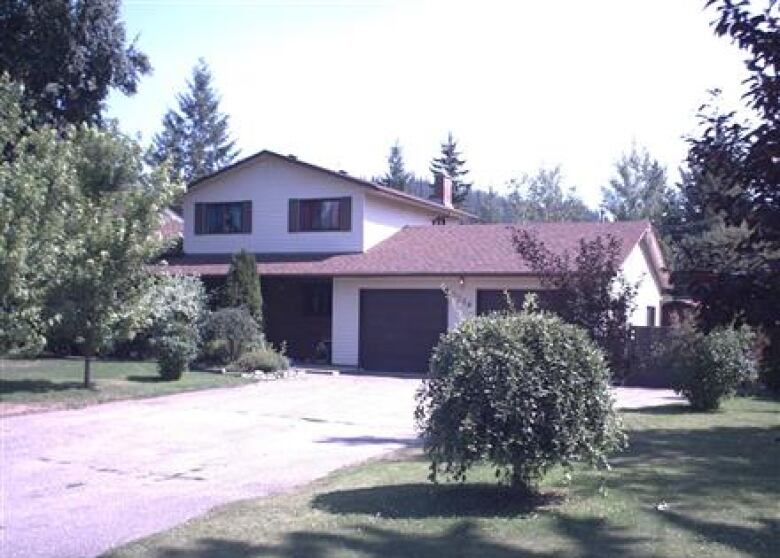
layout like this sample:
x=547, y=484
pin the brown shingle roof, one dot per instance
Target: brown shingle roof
x=477, y=249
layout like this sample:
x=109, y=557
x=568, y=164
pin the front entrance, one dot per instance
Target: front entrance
x=400, y=327
x=297, y=313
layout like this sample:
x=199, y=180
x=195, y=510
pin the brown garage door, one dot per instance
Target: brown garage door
x=399, y=327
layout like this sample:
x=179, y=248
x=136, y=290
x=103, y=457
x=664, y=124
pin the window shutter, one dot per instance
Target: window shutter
x=294, y=216
x=199, y=218
x=345, y=214
x=246, y=217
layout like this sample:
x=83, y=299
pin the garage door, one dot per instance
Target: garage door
x=400, y=327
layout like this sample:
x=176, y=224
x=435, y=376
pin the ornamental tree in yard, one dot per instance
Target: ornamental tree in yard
x=592, y=292
x=524, y=392
x=112, y=224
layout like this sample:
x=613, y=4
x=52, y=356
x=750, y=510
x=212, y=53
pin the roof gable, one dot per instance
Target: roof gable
x=378, y=189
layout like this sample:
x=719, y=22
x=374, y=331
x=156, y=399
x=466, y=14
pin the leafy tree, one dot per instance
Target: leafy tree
x=525, y=392
x=733, y=183
x=541, y=197
x=242, y=286
x=69, y=55
x=451, y=165
x=38, y=197
x=195, y=139
x=396, y=176
x=639, y=189
x=112, y=224
x=591, y=291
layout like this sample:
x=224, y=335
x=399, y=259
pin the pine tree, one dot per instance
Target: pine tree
x=242, y=286
x=195, y=139
x=396, y=176
x=451, y=165
x=639, y=190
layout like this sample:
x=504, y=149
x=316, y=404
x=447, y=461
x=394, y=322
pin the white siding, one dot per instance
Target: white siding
x=383, y=218
x=636, y=269
x=269, y=183
x=346, y=302
x=346, y=299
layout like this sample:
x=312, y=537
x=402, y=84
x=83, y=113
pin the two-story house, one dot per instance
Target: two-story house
x=362, y=269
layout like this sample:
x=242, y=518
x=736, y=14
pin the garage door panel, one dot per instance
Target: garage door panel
x=400, y=327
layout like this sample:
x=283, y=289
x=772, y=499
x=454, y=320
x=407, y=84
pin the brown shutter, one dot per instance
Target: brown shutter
x=294, y=216
x=199, y=218
x=345, y=214
x=246, y=218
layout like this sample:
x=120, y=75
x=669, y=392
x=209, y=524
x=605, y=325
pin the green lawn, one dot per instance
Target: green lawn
x=58, y=383
x=719, y=474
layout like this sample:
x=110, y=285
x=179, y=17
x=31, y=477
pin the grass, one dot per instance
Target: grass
x=58, y=383
x=719, y=475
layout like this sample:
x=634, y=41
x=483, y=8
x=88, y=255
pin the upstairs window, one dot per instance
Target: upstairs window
x=332, y=214
x=223, y=218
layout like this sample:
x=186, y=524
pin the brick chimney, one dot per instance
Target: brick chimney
x=442, y=189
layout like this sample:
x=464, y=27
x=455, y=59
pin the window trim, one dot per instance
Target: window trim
x=294, y=224
x=200, y=227
x=651, y=311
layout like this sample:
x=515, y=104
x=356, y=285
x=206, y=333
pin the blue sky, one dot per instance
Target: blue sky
x=521, y=84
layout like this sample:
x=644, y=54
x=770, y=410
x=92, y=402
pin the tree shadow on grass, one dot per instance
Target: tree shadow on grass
x=38, y=386
x=147, y=379
x=675, y=409
x=425, y=500
x=463, y=539
x=759, y=542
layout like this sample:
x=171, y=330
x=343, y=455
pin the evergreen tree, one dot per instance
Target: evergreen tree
x=451, y=165
x=242, y=287
x=639, y=189
x=195, y=139
x=396, y=176
x=735, y=177
x=69, y=55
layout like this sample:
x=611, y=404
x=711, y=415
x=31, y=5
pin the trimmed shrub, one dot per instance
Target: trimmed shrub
x=234, y=327
x=523, y=391
x=242, y=285
x=265, y=359
x=176, y=348
x=706, y=368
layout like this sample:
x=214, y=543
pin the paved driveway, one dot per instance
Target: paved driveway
x=76, y=483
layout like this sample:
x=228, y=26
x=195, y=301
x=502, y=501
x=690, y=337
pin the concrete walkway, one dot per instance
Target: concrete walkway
x=77, y=483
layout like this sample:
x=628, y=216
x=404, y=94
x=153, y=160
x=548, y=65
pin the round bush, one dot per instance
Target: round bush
x=235, y=327
x=706, y=368
x=524, y=392
x=176, y=348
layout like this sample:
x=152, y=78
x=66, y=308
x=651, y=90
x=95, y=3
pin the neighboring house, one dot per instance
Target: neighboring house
x=171, y=225
x=361, y=268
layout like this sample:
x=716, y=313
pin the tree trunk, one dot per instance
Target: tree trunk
x=521, y=485
x=87, y=371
